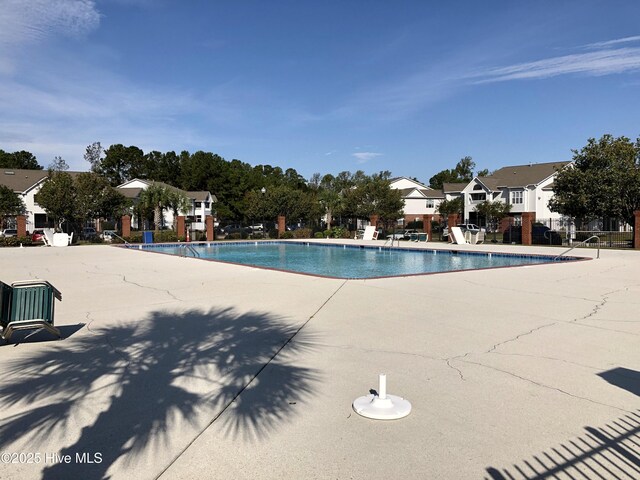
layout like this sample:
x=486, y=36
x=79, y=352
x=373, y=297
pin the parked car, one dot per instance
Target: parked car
x=407, y=233
x=89, y=232
x=229, y=229
x=37, y=236
x=470, y=227
x=9, y=232
x=108, y=235
x=258, y=227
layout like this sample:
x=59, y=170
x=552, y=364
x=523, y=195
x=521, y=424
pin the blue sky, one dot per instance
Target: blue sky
x=327, y=86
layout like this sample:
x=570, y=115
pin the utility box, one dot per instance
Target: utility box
x=147, y=237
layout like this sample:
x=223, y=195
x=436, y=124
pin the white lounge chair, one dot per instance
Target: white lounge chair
x=456, y=235
x=477, y=238
x=370, y=233
x=47, y=237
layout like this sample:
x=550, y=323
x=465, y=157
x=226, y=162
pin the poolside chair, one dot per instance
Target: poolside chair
x=457, y=236
x=27, y=305
x=47, y=237
x=61, y=240
x=370, y=233
x=477, y=238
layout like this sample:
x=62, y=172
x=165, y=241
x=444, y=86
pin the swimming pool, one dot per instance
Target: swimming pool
x=346, y=261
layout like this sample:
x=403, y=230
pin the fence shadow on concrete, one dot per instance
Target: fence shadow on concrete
x=141, y=392
x=604, y=453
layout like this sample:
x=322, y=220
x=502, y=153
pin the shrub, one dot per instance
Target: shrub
x=287, y=235
x=319, y=234
x=237, y=236
x=165, y=236
x=134, y=237
x=327, y=234
x=416, y=224
x=15, y=241
x=257, y=236
x=302, y=233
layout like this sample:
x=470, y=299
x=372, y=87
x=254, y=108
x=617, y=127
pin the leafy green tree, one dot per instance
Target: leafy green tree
x=160, y=197
x=374, y=196
x=461, y=173
x=10, y=204
x=21, y=159
x=163, y=167
x=454, y=206
x=95, y=198
x=603, y=181
x=58, y=165
x=58, y=197
x=493, y=212
x=93, y=154
x=330, y=198
x=178, y=202
x=121, y=164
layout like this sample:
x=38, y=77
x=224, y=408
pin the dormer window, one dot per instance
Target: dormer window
x=477, y=186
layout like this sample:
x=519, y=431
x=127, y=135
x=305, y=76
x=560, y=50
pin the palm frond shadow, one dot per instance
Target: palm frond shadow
x=165, y=373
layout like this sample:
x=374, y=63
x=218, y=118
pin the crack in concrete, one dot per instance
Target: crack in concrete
x=549, y=387
x=590, y=367
x=124, y=279
x=492, y=350
x=519, y=336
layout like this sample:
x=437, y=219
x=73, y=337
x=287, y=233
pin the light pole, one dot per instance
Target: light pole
x=264, y=223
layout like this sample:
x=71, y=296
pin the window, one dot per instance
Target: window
x=206, y=204
x=517, y=198
x=477, y=187
x=478, y=197
x=198, y=204
x=431, y=203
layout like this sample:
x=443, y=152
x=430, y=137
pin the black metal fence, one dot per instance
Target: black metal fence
x=602, y=233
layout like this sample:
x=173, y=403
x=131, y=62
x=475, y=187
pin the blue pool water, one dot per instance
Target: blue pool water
x=346, y=261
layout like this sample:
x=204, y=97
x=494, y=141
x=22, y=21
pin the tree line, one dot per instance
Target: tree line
x=244, y=192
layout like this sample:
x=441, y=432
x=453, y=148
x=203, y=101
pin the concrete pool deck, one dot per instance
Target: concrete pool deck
x=181, y=368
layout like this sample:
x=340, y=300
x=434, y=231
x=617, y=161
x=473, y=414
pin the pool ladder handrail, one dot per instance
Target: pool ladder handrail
x=190, y=248
x=118, y=236
x=577, y=245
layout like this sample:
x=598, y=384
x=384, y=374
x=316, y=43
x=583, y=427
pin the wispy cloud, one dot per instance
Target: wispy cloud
x=618, y=41
x=364, y=157
x=606, y=61
x=33, y=21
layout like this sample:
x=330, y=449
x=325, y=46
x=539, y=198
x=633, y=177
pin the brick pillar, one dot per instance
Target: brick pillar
x=180, y=228
x=282, y=225
x=527, y=227
x=22, y=225
x=636, y=229
x=126, y=226
x=208, y=220
x=453, y=220
x=373, y=220
x=426, y=225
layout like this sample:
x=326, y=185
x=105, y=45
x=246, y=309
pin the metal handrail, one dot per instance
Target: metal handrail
x=116, y=235
x=186, y=247
x=576, y=246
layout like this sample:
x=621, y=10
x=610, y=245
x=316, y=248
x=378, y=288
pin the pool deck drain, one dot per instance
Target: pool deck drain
x=501, y=366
